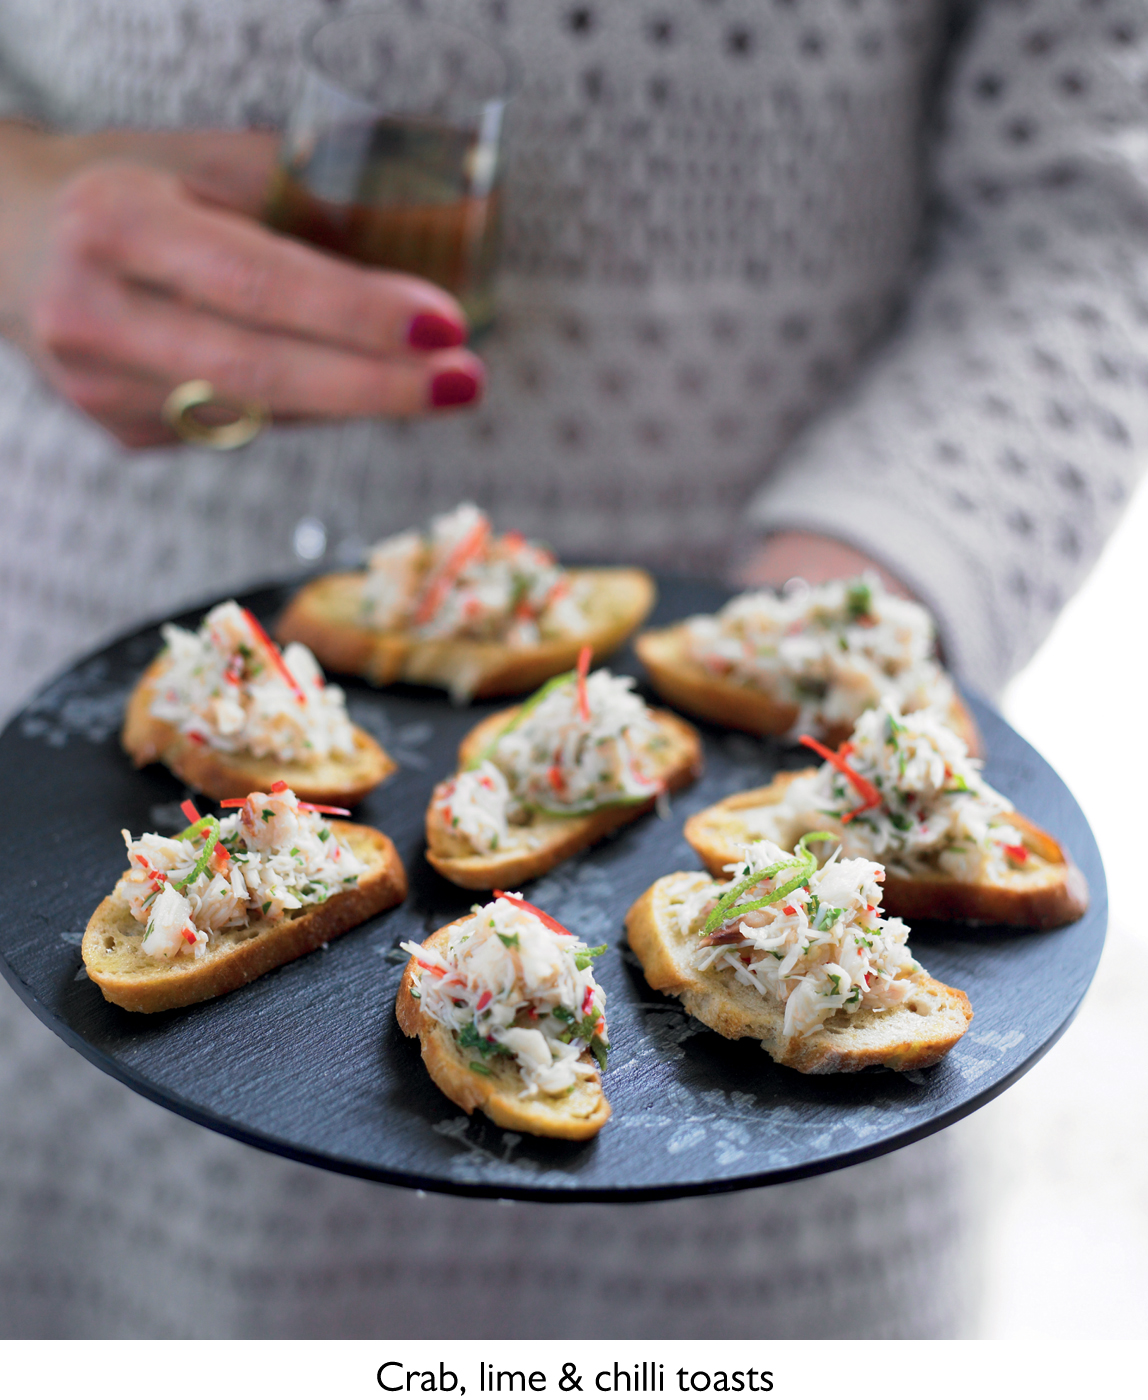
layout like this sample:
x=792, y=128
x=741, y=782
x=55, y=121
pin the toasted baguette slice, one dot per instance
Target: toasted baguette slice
x=911, y=1036
x=326, y=615
x=681, y=680
x=547, y=840
x=130, y=978
x=340, y=781
x=576, y=1115
x=1045, y=893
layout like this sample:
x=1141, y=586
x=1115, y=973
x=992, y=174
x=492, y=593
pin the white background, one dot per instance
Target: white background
x=1065, y=1151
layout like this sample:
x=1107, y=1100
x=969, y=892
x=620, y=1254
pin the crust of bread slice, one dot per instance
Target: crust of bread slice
x=576, y=1116
x=913, y=1035
x=339, y=781
x=678, y=678
x=1047, y=892
x=326, y=615
x=547, y=840
x=113, y=940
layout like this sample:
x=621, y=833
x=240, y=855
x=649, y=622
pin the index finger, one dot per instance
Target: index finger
x=154, y=231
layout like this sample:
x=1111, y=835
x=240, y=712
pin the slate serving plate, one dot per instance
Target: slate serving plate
x=308, y=1061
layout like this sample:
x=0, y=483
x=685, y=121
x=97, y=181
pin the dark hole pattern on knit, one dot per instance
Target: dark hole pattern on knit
x=715, y=210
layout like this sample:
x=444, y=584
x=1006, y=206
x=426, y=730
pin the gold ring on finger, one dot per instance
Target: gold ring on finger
x=179, y=413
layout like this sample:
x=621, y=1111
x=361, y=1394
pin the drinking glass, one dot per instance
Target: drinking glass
x=391, y=154
x=391, y=157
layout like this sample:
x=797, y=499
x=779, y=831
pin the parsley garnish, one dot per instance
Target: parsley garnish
x=470, y=1039
x=583, y=959
x=859, y=600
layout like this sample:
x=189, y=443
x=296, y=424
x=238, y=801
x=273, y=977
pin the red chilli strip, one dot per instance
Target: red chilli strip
x=871, y=797
x=280, y=786
x=221, y=854
x=550, y=923
x=585, y=656
x=471, y=544
x=274, y=653
x=1017, y=853
x=321, y=807
x=188, y=810
x=234, y=802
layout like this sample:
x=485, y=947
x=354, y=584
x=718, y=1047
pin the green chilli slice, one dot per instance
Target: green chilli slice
x=725, y=912
x=528, y=705
x=208, y=827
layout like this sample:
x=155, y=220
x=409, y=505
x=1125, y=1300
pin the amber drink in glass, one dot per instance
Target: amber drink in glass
x=391, y=156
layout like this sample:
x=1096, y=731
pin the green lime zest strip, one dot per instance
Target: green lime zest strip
x=585, y=809
x=531, y=703
x=209, y=829
x=189, y=832
x=725, y=914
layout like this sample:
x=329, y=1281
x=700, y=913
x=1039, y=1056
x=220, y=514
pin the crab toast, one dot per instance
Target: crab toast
x=210, y=910
x=510, y=1019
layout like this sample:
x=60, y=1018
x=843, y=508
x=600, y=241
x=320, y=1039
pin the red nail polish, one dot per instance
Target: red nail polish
x=453, y=386
x=430, y=331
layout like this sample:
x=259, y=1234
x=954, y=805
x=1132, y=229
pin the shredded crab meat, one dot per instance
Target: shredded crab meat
x=822, y=948
x=558, y=759
x=508, y=984
x=833, y=650
x=475, y=804
x=227, y=687
x=460, y=580
x=269, y=857
x=936, y=811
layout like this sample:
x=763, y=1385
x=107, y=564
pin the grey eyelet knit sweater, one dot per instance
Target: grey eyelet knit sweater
x=875, y=268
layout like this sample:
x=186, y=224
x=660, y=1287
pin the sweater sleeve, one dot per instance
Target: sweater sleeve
x=988, y=448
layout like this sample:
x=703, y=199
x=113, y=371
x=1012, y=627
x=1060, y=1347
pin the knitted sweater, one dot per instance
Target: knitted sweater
x=873, y=266
x=869, y=267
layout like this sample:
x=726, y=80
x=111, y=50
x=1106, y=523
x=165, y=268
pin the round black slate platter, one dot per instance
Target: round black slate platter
x=308, y=1061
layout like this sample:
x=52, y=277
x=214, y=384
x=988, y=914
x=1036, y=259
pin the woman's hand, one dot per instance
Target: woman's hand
x=131, y=262
x=815, y=558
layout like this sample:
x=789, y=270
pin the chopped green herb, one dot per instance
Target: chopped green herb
x=859, y=600
x=267, y=814
x=267, y=906
x=471, y=1039
x=509, y=940
x=583, y=959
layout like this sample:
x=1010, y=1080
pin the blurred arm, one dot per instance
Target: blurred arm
x=988, y=450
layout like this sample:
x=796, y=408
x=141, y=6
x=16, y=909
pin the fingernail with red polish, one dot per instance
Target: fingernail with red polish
x=453, y=386
x=430, y=331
